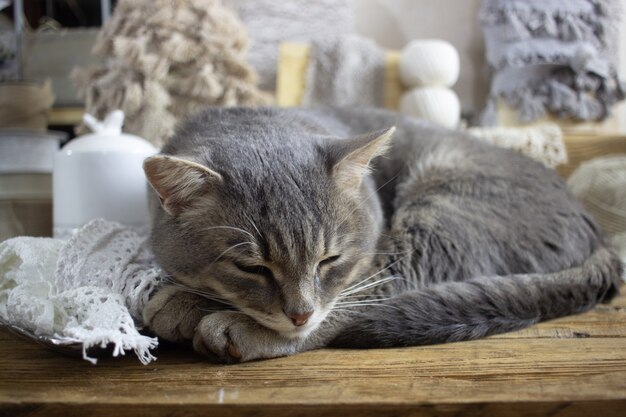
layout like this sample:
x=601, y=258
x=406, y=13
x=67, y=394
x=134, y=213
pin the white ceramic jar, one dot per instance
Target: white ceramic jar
x=100, y=175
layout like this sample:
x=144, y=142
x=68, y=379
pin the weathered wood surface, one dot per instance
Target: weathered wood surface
x=581, y=148
x=575, y=366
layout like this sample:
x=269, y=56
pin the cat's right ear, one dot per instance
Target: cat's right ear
x=177, y=181
x=351, y=158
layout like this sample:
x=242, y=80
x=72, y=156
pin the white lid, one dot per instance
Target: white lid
x=108, y=137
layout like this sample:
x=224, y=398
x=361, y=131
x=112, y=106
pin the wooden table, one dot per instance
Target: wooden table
x=574, y=366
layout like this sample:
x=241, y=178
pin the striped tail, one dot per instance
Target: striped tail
x=479, y=307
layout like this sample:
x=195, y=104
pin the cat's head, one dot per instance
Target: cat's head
x=278, y=232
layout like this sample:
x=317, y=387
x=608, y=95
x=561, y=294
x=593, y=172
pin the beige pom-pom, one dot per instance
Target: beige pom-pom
x=437, y=104
x=429, y=62
x=163, y=60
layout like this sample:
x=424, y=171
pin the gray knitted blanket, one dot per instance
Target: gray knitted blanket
x=556, y=56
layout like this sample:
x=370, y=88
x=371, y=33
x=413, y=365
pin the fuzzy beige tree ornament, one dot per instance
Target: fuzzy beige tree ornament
x=165, y=59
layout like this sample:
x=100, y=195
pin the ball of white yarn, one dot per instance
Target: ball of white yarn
x=436, y=104
x=601, y=185
x=429, y=63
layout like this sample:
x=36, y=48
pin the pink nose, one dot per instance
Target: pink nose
x=299, y=319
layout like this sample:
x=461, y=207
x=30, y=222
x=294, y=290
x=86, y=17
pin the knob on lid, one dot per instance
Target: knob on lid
x=112, y=124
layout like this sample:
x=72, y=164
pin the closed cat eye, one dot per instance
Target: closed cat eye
x=329, y=260
x=255, y=269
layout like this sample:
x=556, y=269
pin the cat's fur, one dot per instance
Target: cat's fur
x=447, y=239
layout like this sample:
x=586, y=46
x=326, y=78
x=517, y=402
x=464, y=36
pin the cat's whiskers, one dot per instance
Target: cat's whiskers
x=339, y=237
x=258, y=232
x=348, y=306
x=204, y=294
x=390, y=253
x=393, y=238
x=347, y=290
x=361, y=297
x=371, y=305
x=207, y=296
x=356, y=285
x=366, y=301
x=229, y=249
x=231, y=228
x=370, y=285
x=345, y=310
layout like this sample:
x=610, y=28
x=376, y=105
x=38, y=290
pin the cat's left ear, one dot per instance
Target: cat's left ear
x=351, y=158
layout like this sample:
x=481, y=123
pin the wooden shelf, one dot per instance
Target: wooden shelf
x=68, y=116
x=582, y=148
x=575, y=366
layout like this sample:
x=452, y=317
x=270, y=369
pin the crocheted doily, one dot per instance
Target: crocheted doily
x=543, y=143
x=89, y=290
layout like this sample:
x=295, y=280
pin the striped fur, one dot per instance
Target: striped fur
x=442, y=238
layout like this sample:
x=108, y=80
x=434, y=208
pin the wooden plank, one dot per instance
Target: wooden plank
x=473, y=376
x=393, y=87
x=293, y=60
x=507, y=116
x=582, y=148
x=468, y=372
x=66, y=116
x=539, y=373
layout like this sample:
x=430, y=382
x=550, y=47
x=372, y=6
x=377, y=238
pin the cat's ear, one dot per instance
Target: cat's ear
x=177, y=181
x=351, y=158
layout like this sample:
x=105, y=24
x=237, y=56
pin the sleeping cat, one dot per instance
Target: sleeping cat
x=285, y=230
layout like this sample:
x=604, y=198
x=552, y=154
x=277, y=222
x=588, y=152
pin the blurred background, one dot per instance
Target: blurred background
x=544, y=78
x=51, y=51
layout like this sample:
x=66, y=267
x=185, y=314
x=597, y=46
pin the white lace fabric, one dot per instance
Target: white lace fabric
x=89, y=290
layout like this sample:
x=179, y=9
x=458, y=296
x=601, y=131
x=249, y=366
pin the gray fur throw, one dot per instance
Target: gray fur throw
x=345, y=71
x=552, y=56
x=270, y=22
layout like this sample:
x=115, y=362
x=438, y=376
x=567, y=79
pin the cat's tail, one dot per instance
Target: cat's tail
x=456, y=311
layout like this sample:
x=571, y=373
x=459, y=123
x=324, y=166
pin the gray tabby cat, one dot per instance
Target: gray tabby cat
x=286, y=230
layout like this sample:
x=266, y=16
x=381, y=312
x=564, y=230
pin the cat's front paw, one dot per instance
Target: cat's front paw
x=232, y=337
x=173, y=314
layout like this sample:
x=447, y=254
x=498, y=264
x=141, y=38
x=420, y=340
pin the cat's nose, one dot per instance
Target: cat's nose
x=299, y=319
